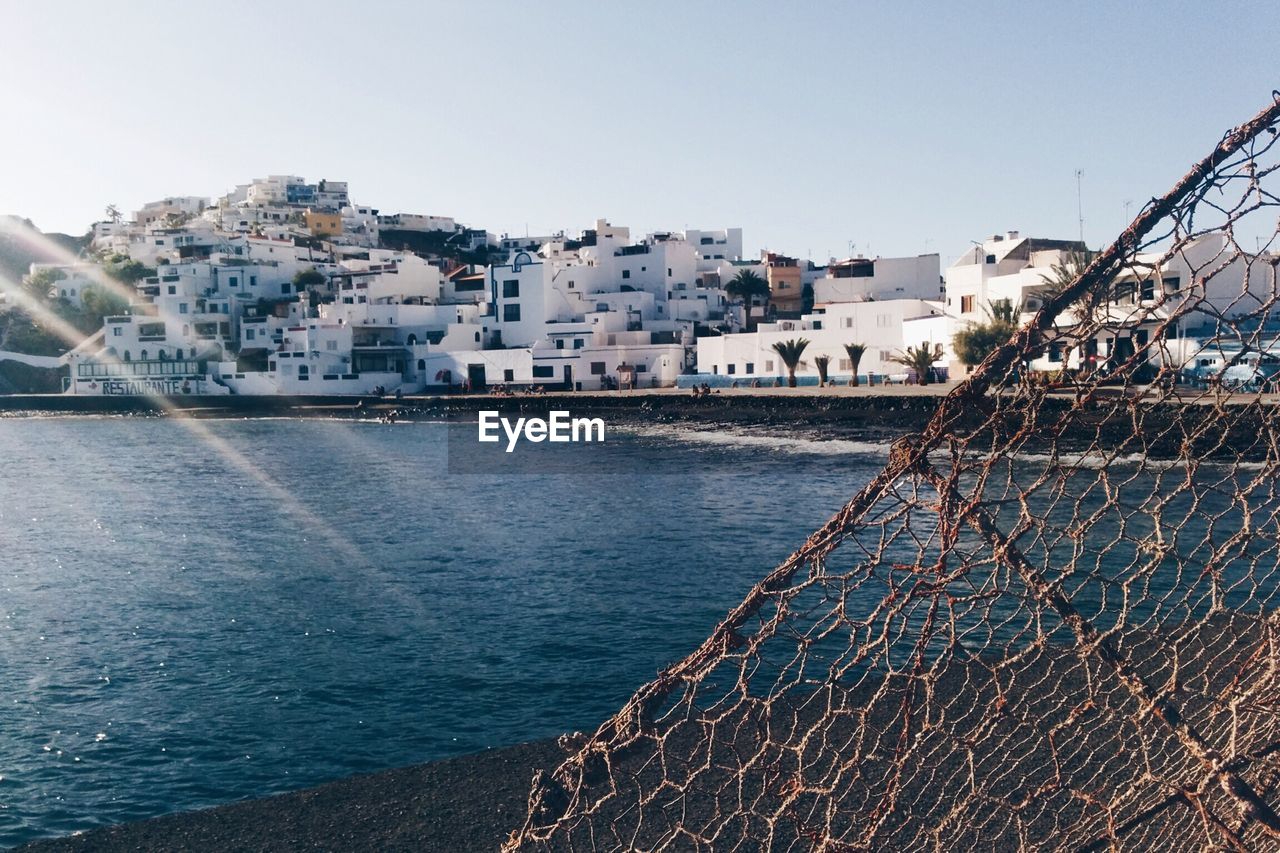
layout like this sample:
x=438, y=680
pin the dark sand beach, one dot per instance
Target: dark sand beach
x=458, y=804
x=472, y=802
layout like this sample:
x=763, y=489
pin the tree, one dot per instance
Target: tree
x=99, y=302
x=790, y=352
x=304, y=279
x=821, y=362
x=746, y=286
x=855, y=351
x=920, y=359
x=1089, y=305
x=113, y=214
x=975, y=343
x=125, y=269
x=40, y=282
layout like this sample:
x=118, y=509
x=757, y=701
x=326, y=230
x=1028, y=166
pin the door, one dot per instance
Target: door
x=475, y=375
x=568, y=377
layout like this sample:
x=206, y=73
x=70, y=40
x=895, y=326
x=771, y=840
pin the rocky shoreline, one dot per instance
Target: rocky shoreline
x=1107, y=423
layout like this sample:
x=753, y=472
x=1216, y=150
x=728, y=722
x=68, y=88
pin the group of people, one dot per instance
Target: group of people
x=508, y=391
x=703, y=390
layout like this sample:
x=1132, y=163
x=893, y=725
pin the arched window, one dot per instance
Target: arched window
x=422, y=364
x=143, y=357
x=164, y=356
x=178, y=354
x=413, y=340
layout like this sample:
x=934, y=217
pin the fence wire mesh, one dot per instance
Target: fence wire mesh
x=1049, y=622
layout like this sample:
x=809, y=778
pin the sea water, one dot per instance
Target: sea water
x=197, y=612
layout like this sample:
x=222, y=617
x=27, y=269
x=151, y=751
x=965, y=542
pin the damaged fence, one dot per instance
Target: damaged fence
x=1049, y=622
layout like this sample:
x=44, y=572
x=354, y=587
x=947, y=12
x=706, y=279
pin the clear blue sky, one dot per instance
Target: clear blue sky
x=903, y=127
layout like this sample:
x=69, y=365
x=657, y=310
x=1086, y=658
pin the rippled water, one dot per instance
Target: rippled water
x=190, y=620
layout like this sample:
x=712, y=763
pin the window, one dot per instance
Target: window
x=626, y=273
x=511, y=288
x=172, y=290
x=332, y=346
x=577, y=343
x=751, y=367
x=668, y=272
x=233, y=281
x=597, y=368
x=991, y=259
x=1172, y=283
x=1055, y=353
x=543, y=371
x=768, y=366
x=116, y=331
x=571, y=285
x=848, y=322
x=249, y=334
x=731, y=369
x=253, y=280
x=1141, y=336
x=511, y=313
x=508, y=376
x=1148, y=290
x=884, y=321
x=182, y=308
x=844, y=364
x=966, y=304
x=641, y=367
x=284, y=288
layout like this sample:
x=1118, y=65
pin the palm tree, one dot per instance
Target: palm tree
x=821, y=362
x=1090, y=308
x=790, y=352
x=920, y=359
x=746, y=286
x=855, y=351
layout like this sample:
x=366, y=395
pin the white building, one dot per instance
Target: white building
x=885, y=328
x=861, y=279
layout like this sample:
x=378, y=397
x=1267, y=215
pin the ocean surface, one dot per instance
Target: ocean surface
x=197, y=612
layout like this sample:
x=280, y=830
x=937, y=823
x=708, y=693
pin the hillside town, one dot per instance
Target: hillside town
x=284, y=286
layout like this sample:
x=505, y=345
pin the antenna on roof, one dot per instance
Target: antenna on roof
x=1079, y=204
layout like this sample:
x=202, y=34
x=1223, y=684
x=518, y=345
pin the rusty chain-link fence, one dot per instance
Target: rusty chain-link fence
x=1049, y=622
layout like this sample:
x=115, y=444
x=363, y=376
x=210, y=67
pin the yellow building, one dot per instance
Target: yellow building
x=786, y=287
x=329, y=224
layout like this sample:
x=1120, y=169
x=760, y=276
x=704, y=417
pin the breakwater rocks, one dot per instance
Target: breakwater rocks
x=1242, y=427
x=867, y=414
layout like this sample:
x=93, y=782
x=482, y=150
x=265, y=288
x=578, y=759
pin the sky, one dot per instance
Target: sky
x=822, y=129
